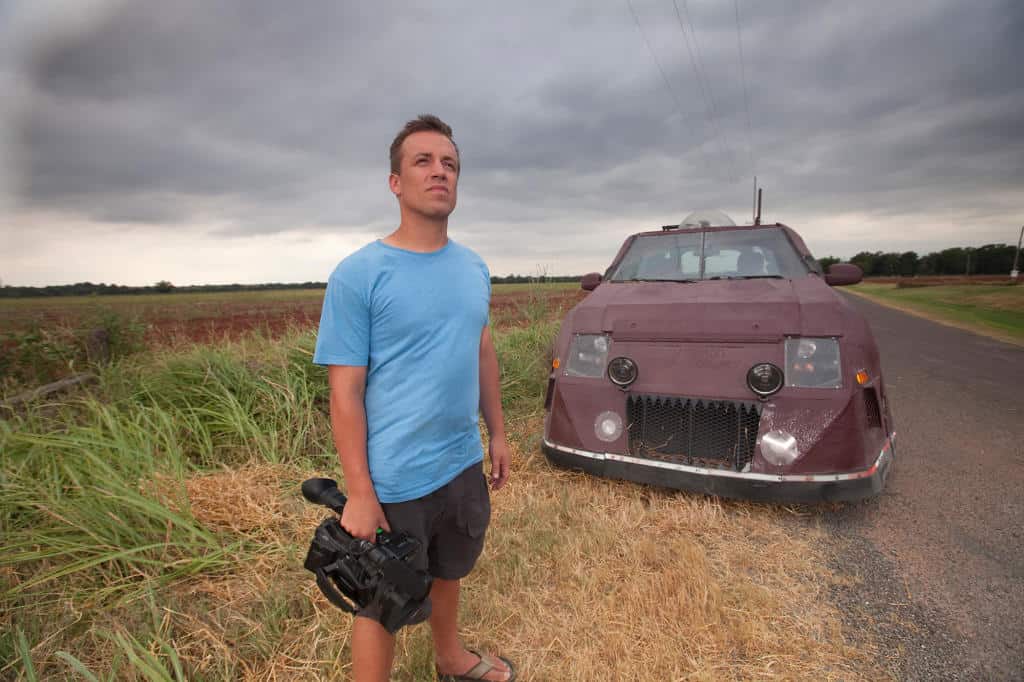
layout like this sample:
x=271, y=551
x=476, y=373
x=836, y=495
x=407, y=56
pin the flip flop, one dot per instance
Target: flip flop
x=487, y=664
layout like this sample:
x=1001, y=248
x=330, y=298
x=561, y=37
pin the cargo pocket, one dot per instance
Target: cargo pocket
x=475, y=510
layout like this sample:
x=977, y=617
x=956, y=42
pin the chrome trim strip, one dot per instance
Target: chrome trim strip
x=725, y=473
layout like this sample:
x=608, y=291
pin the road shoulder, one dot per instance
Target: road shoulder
x=912, y=640
x=938, y=319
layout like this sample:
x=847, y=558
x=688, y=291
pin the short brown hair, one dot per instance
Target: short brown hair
x=422, y=123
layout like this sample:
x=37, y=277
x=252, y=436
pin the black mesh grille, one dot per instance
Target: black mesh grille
x=698, y=432
x=871, y=412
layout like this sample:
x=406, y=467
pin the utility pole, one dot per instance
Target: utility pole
x=1016, y=254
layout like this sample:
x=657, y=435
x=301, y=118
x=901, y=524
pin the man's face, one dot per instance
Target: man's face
x=429, y=175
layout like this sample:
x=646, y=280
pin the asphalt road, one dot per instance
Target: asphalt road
x=937, y=560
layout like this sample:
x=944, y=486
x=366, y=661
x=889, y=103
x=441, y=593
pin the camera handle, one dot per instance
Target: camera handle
x=324, y=491
x=332, y=593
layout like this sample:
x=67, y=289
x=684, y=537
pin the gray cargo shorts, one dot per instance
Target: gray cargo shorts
x=450, y=524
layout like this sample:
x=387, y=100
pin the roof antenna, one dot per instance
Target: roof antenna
x=757, y=218
x=754, y=201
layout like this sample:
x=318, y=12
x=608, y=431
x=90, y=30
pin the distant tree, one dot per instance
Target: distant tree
x=951, y=261
x=926, y=264
x=992, y=259
x=867, y=261
x=827, y=261
x=863, y=260
x=163, y=287
x=885, y=264
x=908, y=264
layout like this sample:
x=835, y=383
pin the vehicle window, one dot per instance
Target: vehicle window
x=814, y=265
x=751, y=253
x=742, y=253
x=661, y=257
x=691, y=264
x=722, y=263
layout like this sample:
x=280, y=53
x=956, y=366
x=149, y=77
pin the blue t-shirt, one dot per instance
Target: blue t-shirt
x=414, y=320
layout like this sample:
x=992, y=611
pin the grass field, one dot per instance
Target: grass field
x=44, y=339
x=168, y=317
x=17, y=313
x=993, y=309
x=153, y=530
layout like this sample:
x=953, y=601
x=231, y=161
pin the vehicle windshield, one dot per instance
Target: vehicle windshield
x=729, y=254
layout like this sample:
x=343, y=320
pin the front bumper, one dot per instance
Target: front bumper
x=786, y=488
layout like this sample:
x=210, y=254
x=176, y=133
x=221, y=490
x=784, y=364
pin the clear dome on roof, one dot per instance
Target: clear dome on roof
x=710, y=218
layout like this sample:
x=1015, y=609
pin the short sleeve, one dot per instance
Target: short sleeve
x=487, y=283
x=344, y=335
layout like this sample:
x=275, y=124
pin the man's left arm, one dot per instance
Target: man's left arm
x=490, y=406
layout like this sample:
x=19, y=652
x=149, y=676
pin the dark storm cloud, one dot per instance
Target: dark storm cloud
x=261, y=116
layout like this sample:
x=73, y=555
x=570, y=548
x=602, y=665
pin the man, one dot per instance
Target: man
x=411, y=364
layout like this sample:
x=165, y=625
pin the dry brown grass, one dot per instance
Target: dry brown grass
x=582, y=579
x=587, y=579
x=247, y=502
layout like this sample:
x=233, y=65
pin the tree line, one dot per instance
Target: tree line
x=991, y=259
x=530, y=279
x=161, y=287
x=166, y=287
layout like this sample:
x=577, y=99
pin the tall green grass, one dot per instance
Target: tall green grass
x=94, y=510
x=524, y=354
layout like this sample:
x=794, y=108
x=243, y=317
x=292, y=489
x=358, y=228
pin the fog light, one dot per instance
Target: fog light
x=608, y=426
x=779, y=448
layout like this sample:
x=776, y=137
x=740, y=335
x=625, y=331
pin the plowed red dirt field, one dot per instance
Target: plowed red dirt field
x=173, y=319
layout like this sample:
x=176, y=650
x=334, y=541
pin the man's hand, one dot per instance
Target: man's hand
x=501, y=463
x=362, y=517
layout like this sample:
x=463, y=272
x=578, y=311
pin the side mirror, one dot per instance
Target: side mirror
x=843, y=274
x=590, y=281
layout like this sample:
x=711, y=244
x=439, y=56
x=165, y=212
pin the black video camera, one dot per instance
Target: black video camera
x=354, y=574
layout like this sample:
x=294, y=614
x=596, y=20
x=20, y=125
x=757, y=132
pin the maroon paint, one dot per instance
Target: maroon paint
x=699, y=340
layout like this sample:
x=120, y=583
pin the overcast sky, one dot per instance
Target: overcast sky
x=246, y=140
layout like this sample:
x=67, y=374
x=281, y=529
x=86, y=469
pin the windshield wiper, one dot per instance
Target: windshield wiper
x=641, y=279
x=746, y=277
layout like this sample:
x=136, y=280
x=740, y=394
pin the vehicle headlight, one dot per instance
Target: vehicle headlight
x=587, y=355
x=813, y=363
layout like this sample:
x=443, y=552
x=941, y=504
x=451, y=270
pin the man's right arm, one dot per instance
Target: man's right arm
x=363, y=514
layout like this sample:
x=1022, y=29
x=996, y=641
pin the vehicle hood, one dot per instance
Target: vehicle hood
x=753, y=310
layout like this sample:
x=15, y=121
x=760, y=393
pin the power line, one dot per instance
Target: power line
x=703, y=85
x=743, y=76
x=668, y=84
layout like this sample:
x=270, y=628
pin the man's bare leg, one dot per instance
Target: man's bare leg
x=373, y=650
x=449, y=654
